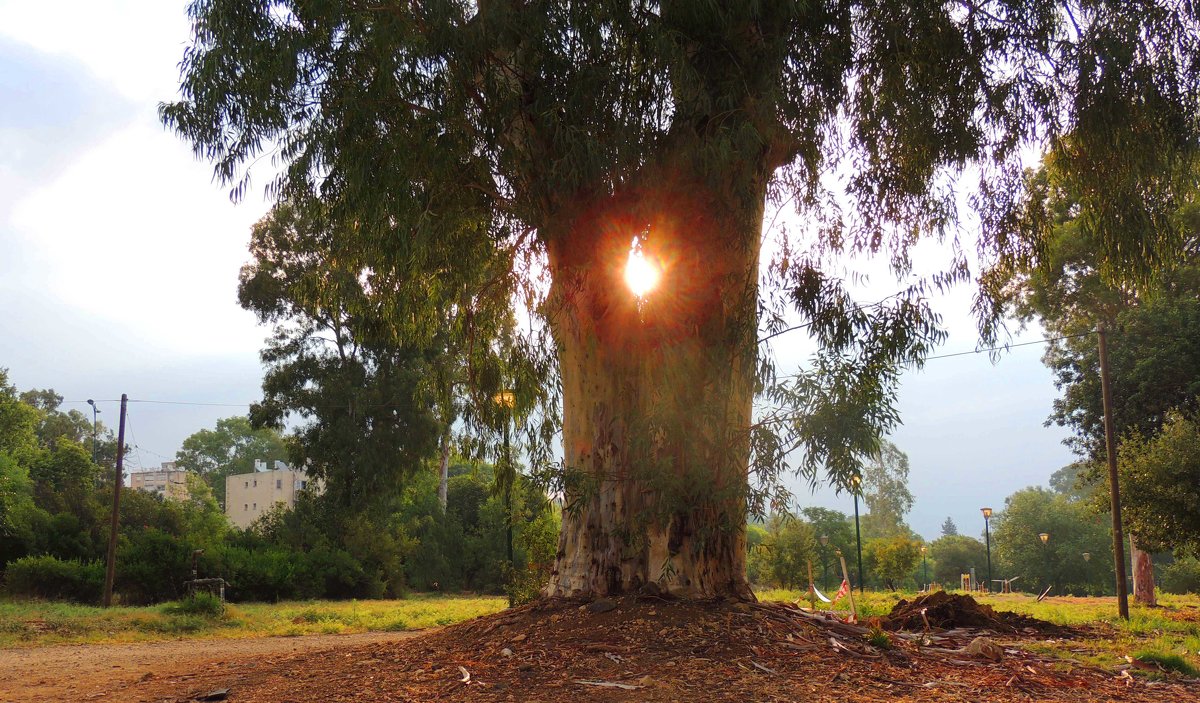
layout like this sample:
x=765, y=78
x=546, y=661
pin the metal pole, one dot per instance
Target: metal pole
x=1110, y=449
x=110, y=570
x=987, y=533
x=95, y=426
x=858, y=539
x=508, y=495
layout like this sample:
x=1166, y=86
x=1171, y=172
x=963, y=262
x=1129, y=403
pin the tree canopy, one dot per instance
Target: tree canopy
x=1161, y=476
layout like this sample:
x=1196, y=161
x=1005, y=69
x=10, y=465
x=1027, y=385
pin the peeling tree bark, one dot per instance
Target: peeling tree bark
x=1143, y=574
x=657, y=394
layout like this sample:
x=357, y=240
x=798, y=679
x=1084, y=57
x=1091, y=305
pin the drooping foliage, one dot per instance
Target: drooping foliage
x=1154, y=328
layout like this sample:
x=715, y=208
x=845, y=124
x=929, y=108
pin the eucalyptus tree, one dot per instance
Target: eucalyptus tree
x=553, y=134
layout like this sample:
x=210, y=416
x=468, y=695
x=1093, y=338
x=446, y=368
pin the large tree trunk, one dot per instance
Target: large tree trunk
x=657, y=393
x=1143, y=574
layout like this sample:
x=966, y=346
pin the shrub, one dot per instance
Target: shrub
x=200, y=603
x=1181, y=577
x=152, y=566
x=258, y=574
x=52, y=578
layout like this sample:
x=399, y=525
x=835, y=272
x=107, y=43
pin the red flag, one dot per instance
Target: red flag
x=841, y=593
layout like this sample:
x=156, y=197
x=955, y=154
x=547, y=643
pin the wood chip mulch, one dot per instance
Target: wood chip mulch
x=650, y=649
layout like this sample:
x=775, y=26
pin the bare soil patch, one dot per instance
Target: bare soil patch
x=115, y=672
x=652, y=649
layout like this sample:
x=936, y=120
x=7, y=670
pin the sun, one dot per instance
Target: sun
x=641, y=274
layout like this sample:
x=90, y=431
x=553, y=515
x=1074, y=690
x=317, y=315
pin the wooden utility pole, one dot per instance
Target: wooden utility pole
x=110, y=570
x=1110, y=448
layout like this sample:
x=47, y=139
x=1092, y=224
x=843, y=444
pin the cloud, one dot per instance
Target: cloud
x=53, y=108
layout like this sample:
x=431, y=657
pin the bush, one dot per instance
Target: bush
x=1181, y=577
x=58, y=579
x=258, y=574
x=200, y=603
x=152, y=566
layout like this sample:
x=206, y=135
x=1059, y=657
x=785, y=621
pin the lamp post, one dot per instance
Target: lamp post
x=924, y=566
x=1087, y=556
x=825, y=561
x=856, y=482
x=987, y=534
x=1045, y=537
x=95, y=424
x=505, y=399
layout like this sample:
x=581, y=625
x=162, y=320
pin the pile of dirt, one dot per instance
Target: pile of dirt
x=653, y=650
x=947, y=611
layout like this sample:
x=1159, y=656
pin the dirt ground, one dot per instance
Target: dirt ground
x=116, y=672
x=628, y=649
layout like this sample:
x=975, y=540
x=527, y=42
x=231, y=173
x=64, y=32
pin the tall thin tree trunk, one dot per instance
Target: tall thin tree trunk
x=1143, y=574
x=657, y=395
x=444, y=470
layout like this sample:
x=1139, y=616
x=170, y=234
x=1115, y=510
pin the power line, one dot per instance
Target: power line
x=1044, y=340
x=365, y=406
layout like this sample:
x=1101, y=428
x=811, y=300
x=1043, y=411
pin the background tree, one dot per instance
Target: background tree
x=885, y=491
x=949, y=529
x=559, y=131
x=892, y=559
x=380, y=392
x=955, y=555
x=1160, y=476
x=790, y=546
x=1073, y=528
x=228, y=449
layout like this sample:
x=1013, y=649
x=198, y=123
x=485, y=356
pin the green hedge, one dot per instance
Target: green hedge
x=53, y=578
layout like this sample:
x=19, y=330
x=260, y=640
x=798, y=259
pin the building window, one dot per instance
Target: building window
x=256, y=483
x=245, y=507
x=247, y=484
x=278, y=484
x=256, y=506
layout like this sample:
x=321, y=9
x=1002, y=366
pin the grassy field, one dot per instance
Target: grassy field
x=1168, y=635
x=35, y=623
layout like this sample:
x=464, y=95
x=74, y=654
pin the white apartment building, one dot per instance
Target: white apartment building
x=166, y=481
x=250, y=496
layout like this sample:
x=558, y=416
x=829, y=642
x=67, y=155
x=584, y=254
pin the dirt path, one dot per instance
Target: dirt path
x=72, y=673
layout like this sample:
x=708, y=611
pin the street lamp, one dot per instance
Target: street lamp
x=1087, y=556
x=987, y=533
x=856, y=483
x=924, y=565
x=95, y=424
x=1045, y=537
x=506, y=400
x=825, y=561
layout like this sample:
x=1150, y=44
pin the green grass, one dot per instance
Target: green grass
x=1168, y=636
x=37, y=623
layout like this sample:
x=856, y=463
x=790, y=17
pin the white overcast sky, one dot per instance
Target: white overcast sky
x=119, y=258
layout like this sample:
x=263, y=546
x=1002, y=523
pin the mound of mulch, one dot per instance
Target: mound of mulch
x=650, y=649
x=947, y=611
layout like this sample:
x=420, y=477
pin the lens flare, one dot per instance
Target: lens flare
x=641, y=274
